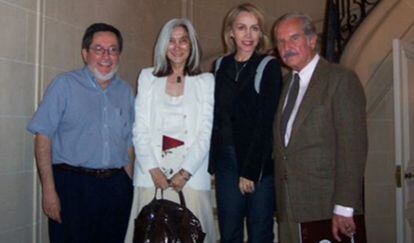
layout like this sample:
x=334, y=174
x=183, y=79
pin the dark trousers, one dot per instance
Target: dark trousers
x=93, y=209
x=258, y=207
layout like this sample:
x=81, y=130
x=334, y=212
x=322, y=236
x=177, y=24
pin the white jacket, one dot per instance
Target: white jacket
x=198, y=105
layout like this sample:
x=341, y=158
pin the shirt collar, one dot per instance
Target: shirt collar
x=307, y=71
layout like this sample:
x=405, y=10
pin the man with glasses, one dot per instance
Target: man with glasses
x=83, y=145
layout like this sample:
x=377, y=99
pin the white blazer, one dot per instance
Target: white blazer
x=198, y=105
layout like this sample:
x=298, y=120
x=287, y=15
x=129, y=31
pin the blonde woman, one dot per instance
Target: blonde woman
x=242, y=134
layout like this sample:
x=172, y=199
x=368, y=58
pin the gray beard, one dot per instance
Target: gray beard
x=101, y=77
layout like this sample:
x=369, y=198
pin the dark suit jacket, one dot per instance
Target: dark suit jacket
x=324, y=162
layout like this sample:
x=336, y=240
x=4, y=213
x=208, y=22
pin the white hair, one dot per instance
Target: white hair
x=162, y=66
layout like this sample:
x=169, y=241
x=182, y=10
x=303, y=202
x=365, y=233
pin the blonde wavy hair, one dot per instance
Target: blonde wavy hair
x=264, y=43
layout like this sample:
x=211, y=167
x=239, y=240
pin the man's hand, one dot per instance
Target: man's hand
x=51, y=205
x=129, y=169
x=159, y=178
x=50, y=198
x=345, y=225
x=246, y=185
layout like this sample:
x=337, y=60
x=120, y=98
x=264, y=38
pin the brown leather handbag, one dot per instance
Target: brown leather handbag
x=163, y=220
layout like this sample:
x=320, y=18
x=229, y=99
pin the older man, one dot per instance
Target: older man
x=83, y=145
x=320, y=136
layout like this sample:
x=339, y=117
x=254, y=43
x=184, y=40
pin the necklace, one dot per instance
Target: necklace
x=178, y=79
x=239, y=69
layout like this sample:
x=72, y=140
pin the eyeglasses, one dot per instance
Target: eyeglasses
x=100, y=51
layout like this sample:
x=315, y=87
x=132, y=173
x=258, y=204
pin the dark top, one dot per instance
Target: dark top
x=242, y=117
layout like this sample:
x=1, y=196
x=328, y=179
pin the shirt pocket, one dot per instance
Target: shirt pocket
x=119, y=121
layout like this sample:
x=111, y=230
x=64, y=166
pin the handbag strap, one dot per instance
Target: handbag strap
x=180, y=195
x=182, y=199
x=155, y=194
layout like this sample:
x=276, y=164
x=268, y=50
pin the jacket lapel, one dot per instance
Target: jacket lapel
x=286, y=83
x=157, y=95
x=311, y=97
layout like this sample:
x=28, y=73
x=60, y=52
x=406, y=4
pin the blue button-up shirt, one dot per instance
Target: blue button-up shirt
x=88, y=126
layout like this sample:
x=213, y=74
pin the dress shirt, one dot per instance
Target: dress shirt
x=88, y=126
x=305, y=76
